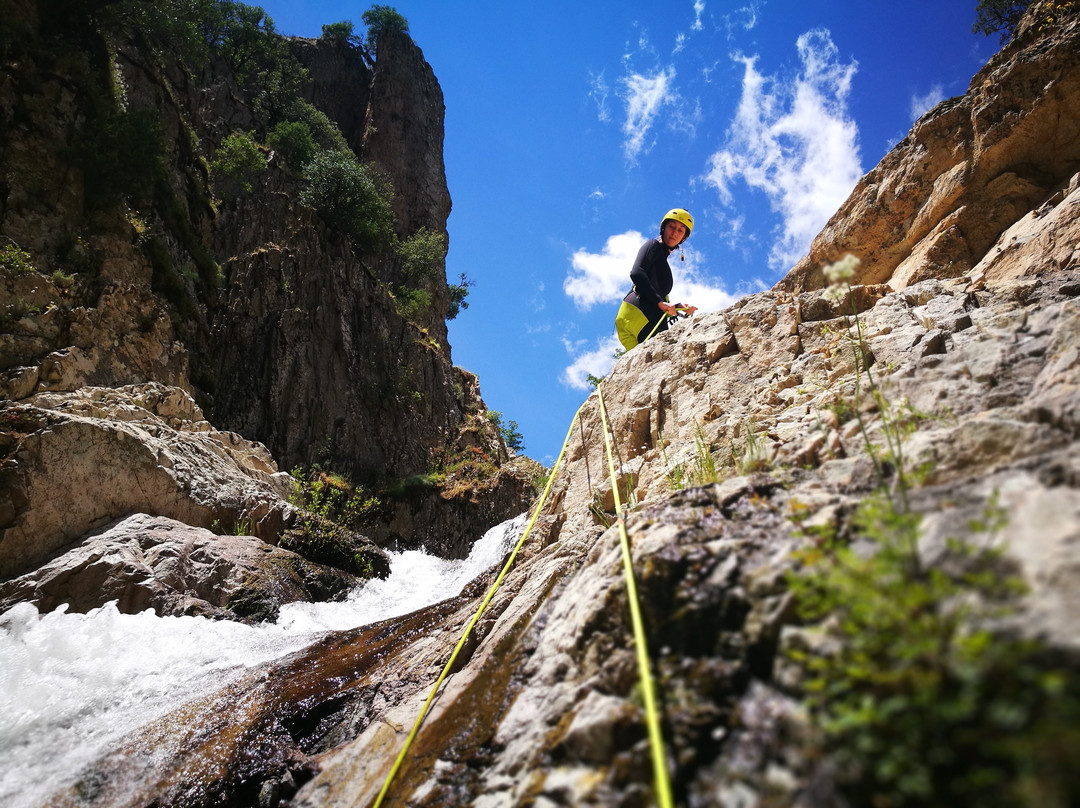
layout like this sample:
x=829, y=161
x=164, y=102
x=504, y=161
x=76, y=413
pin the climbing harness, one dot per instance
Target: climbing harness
x=652, y=716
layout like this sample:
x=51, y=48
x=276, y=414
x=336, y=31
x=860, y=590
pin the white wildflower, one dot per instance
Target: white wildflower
x=842, y=271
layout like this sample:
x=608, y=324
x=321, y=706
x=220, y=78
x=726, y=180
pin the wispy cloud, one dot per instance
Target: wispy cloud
x=597, y=362
x=793, y=140
x=745, y=18
x=921, y=104
x=699, y=9
x=644, y=95
x=598, y=92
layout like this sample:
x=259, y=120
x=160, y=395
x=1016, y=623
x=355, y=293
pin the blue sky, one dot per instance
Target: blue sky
x=572, y=127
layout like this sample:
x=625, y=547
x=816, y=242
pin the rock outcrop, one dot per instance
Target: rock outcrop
x=153, y=562
x=169, y=339
x=736, y=441
x=969, y=169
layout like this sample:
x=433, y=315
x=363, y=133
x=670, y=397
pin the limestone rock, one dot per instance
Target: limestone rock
x=76, y=462
x=970, y=168
x=153, y=562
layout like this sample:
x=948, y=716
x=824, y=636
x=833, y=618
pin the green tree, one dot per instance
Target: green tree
x=326, y=133
x=421, y=255
x=382, y=20
x=239, y=159
x=338, y=31
x=294, y=141
x=458, y=293
x=350, y=197
x=509, y=431
x=993, y=16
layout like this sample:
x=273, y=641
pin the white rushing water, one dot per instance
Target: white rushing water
x=71, y=684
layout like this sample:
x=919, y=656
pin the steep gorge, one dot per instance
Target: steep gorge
x=738, y=443
x=133, y=265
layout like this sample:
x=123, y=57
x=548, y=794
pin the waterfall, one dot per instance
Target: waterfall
x=72, y=684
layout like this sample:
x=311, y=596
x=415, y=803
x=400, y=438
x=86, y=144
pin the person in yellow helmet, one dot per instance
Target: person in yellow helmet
x=643, y=309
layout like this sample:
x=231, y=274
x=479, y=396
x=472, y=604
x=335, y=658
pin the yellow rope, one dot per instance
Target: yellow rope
x=663, y=317
x=476, y=617
x=652, y=719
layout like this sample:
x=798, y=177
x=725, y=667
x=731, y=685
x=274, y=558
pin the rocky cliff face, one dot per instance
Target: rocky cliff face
x=969, y=169
x=737, y=441
x=154, y=312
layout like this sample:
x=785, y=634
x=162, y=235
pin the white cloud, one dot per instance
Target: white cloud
x=699, y=9
x=598, y=91
x=597, y=362
x=745, y=17
x=603, y=277
x=701, y=292
x=795, y=141
x=644, y=95
x=921, y=104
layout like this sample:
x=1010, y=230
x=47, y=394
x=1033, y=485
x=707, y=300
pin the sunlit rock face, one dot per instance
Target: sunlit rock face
x=543, y=706
x=968, y=303
x=280, y=343
x=973, y=167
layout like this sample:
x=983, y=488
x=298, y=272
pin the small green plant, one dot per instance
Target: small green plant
x=239, y=159
x=896, y=421
x=15, y=259
x=331, y=509
x=540, y=481
x=918, y=700
x=458, y=293
x=674, y=472
x=62, y=281
x=754, y=456
x=704, y=469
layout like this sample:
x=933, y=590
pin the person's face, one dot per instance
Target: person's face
x=674, y=233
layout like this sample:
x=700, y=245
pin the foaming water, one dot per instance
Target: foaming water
x=70, y=684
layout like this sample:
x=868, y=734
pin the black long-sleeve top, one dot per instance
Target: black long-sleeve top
x=651, y=276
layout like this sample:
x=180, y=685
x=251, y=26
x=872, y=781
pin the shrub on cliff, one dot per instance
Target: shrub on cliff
x=326, y=133
x=350, y=197
x=382, y=20
x=293, y=141
x=238, y=159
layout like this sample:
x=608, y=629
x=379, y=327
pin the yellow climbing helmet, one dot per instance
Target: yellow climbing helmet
x=678, y=215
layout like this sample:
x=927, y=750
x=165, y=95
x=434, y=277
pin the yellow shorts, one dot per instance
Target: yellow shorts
x=629, y=323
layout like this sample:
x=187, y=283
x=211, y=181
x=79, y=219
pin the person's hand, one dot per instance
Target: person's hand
x=668, y=309
x=687, y=310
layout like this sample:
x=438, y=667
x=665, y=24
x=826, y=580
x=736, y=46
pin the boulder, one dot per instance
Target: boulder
x=153, y=562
